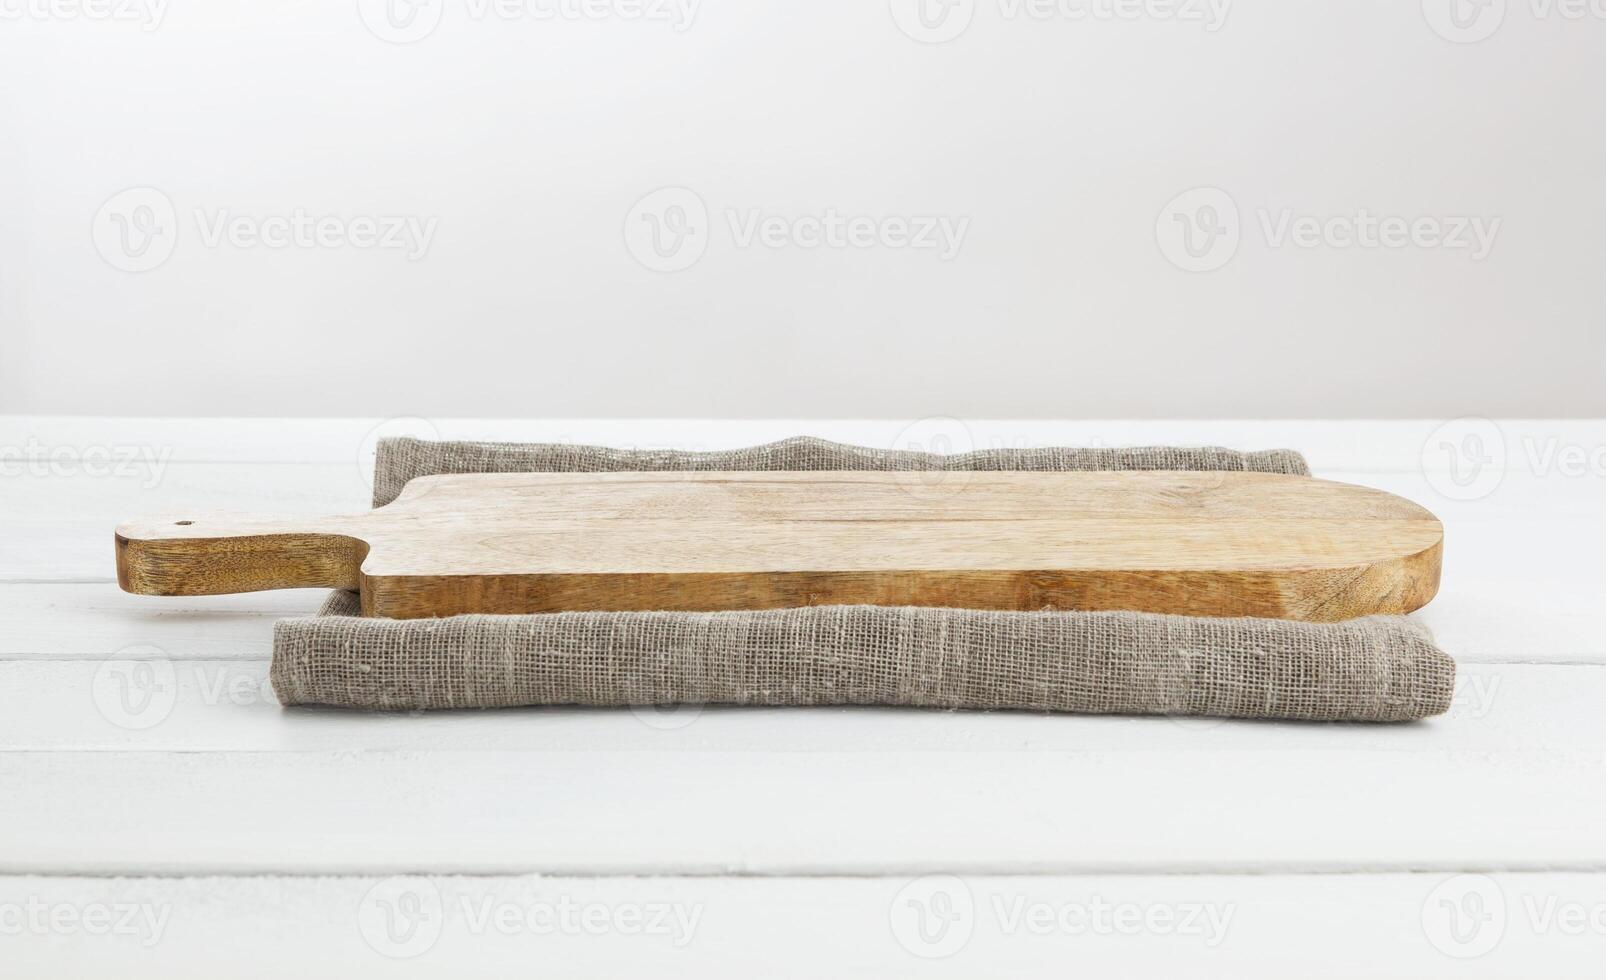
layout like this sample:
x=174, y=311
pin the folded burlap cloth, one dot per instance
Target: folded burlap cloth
x=1381, y=668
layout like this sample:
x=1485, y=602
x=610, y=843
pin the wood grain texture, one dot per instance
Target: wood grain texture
x=1220, y=544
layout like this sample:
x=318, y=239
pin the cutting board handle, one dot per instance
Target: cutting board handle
x=218, y=555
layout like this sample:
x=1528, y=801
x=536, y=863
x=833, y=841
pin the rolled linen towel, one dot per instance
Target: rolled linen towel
x=1381, y=668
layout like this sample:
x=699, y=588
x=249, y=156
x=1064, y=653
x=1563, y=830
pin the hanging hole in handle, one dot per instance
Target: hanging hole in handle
x=183, y=523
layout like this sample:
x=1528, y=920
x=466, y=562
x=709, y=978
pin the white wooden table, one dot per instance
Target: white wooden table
x=161, y=815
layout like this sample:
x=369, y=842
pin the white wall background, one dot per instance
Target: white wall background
x=525, y=141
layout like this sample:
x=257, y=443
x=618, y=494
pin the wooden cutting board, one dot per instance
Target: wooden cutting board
x=1215, y=544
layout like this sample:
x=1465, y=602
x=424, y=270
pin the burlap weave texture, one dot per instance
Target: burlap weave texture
x=1381, y=668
